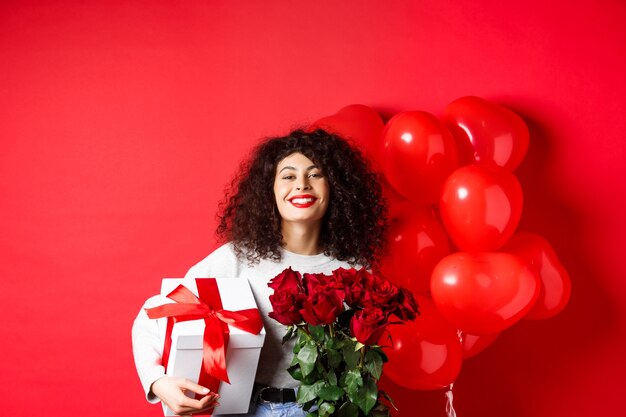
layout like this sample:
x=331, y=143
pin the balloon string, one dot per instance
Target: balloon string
x=450, y=412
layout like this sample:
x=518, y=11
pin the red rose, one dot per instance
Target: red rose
x=345, y=276
x=320, y=282
x=354, y=282
x=323, y=306
x=407, y=307
x=368, y=325
x=287, y=279
x=380, y=291
x=286, y=306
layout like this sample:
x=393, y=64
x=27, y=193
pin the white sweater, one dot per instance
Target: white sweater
x=223, y=263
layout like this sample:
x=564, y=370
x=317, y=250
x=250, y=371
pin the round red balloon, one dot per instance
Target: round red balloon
x=417, y=241
x=481, y=206
x=487, y=132
x=483, y=293
x=426, y=353
x=418, y=154
x=555, y=281
x=359, y=123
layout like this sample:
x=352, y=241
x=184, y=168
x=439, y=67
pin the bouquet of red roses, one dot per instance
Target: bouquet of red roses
x=338, y=320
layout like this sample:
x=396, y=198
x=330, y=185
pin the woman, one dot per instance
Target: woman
x=306, y=201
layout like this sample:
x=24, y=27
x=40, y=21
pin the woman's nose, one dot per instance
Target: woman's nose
x=303, y=185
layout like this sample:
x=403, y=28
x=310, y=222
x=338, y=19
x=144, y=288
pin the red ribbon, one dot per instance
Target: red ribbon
x=207, y=306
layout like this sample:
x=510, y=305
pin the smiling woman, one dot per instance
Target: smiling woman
x=306, y=201
x=352, y=226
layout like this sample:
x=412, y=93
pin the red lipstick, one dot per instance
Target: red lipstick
x=302, y=200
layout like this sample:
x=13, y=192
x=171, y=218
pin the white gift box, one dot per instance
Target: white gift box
x=242, y=353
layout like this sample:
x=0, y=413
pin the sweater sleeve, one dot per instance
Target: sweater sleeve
x=148, y=348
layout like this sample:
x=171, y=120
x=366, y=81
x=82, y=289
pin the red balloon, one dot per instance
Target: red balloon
x=474, y=344
x=417, y=242
x=419, y=153
x=487, y=132
x=396, y=203
x=556, y=285
x=483, y=293
x=359, y=123
x=481, y=206
x=426, y=353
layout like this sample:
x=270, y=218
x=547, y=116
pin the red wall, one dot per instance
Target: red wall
x=120, y=124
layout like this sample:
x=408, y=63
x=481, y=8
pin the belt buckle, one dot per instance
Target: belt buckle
x=263, y=400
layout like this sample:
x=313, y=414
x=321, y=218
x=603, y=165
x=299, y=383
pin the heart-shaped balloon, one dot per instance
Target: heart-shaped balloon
x=417, y=241
x=418, y=155
x=473, y=344
x=483, y=293
x=487, y=132
x=359, y=123
x=555, y=281
x=425, y=354
x=481, y=206
x=396, y=203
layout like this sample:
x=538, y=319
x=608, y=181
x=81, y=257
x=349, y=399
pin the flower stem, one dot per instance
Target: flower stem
x=362, y=360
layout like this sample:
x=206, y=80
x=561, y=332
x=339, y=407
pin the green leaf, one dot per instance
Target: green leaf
x=307, y=357
x=382, y=354
x=350, y=355
x=330, y=343
x=303, y=336
x=374, y=363
x=367, y=396
x=297, y=346
x=332, y=377
x=312, y=378
x=381, y=410
x=353, y=381
x=288, y=335
x=312, y=414
x=309, y=392
x=317, y=333
x=348, y=409
x=295, y=372
x=359, y=346
x=294, y=359
x=388, y=398
x=308, y=405
x=335, y=358
x=330, y=393
x=319, y=367
x=326, y=409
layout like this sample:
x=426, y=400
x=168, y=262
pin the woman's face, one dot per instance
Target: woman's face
x=301, y=190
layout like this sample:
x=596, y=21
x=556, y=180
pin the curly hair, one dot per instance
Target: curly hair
x=355, y=224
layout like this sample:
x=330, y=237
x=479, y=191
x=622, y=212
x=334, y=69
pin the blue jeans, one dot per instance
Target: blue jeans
x=273, y=410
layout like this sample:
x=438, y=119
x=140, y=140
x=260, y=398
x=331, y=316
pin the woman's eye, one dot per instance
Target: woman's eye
x=316, y=175
x=288, y=177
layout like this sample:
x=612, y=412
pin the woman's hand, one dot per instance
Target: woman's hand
x=171, y=391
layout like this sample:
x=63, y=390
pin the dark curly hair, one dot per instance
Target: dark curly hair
x=355, y=224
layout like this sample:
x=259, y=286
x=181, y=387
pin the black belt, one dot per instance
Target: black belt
x=276, y=395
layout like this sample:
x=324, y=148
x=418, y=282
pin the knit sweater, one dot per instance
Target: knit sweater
x=223, y=263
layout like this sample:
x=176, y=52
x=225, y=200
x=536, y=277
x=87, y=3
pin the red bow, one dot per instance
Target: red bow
x=208, y=307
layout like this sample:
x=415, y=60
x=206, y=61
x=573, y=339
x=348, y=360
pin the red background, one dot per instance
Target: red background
x=121, y=123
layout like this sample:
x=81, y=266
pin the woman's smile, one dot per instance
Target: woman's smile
x=303, y=201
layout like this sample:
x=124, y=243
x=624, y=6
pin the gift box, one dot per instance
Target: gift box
x=216, y=309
